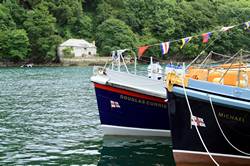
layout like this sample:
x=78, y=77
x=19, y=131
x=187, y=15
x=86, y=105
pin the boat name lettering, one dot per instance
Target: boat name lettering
x=142, y=101
x=232, y=117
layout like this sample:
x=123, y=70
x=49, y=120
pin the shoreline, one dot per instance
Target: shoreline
x=91, y=61
x=66, y=62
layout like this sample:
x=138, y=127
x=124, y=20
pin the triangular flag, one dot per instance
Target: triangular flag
x=247, y=25
x=224, y=29
x=165, y=47
x=141, y=50
x=185, y=41
x=206, y=37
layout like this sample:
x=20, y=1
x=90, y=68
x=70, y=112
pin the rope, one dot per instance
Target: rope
x=212, y=42
x=107, y=62
x=218, y=37
x=233, y=57
x=195, y=36
x=191, y=114
x=222, y=55
x=245, y=153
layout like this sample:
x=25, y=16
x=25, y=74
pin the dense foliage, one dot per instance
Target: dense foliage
x=30, y=30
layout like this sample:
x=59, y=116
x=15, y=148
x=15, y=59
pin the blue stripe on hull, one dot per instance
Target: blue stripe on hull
x=133, y=112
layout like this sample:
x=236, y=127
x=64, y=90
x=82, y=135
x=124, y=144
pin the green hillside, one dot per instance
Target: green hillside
x=30, y=30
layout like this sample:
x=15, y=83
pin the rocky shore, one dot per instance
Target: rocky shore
x=64, y=62
x=92, y=61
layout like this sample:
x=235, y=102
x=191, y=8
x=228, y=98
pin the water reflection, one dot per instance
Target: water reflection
x=136, y=151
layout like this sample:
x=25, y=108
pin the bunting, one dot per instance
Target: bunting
x=206, y=37
x=185, y=41
x=247, y=25
x=142, y=50
x=224, y=29
x=165, y=48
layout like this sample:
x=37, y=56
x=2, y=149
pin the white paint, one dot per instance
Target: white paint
x=119, y=130
x=99, y=79
x=81, y=48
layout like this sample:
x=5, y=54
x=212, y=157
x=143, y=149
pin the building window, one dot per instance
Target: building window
x=89, y=53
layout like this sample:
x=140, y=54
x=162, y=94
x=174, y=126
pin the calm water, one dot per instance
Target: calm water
x=49, y=116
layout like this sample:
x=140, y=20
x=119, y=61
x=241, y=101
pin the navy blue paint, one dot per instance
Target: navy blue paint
x=131, y=114
x=186, y=138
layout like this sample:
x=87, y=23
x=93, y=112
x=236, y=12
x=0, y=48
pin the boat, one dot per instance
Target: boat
x=27, y=65
x=209, y=111
x=128, y=103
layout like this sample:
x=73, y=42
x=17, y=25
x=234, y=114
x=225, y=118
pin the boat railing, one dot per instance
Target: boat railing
x=99, y=70
x=119, y=63
x=232, y=72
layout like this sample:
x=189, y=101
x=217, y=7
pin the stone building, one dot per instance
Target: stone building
x=77, y=48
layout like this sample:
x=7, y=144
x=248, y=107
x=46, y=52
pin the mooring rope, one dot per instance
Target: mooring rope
x=191, y=114
x=245, y=153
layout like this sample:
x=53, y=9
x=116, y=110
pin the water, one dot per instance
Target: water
x=49, y=116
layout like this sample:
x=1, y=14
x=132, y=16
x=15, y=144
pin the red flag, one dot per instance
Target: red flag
x=141, y=50
x=206, y=37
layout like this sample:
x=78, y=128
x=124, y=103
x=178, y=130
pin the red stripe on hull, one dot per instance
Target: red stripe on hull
x=129, y=93
x=189, y=159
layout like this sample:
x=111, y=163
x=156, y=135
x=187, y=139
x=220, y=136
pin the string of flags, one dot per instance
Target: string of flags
x=185, y=41
x=206, y=37
x=247, y=25
x=165, y=46
x=142, y=50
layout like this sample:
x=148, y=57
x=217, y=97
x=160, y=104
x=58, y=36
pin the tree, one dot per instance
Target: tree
x=41, y=29
x=17, y=12
x=114, y=34
x=14, y=45
x=6, y=20
x=120, y=24
x=83, y=27
x=71, y=20
x=104, y=11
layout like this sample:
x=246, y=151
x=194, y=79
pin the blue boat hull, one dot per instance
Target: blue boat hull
x=134, y=113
